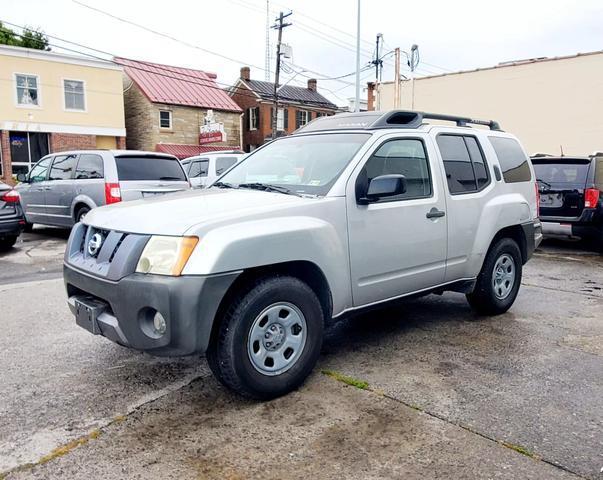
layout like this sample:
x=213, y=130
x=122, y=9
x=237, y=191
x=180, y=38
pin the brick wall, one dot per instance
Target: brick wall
x=5, y=149
x=59, y=142
x=144, y=133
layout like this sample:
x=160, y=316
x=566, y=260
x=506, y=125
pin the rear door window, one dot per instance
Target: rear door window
x=466, y=169
x=513, y=162
x=224, y=163
x=89, y=166
x=141, y=168
x=62, y=167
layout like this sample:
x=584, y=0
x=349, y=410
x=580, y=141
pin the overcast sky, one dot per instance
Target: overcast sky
x=452, y=35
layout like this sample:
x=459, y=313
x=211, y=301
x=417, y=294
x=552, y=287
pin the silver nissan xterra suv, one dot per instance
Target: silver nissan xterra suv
x=351, y=211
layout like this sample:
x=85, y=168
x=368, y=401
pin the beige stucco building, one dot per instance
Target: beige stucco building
x=549, y=103
x=52, y=102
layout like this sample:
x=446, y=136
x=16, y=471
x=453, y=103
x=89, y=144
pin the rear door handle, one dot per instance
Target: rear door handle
x=435, y=213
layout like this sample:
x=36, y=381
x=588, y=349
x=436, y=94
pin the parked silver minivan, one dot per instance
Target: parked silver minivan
x=63, y=187
x=202, y=170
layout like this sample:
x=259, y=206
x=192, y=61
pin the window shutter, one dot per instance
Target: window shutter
x=271, y=117
x=297, y=119
x=286, y=121
x=257, y=117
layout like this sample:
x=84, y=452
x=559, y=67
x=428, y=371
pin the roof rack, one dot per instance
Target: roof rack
x=392, y=119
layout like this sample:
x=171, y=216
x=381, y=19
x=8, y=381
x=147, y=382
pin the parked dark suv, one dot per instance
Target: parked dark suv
x=571, y=199
x=11, y=216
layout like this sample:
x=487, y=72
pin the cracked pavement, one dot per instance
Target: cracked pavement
x=450, y=395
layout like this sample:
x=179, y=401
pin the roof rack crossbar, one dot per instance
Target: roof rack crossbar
x=462, y=121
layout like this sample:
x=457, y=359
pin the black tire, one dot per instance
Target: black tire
x=228, y=355
x=81, y=213
x=484, y=299
x=28, y=227
x=6, y=243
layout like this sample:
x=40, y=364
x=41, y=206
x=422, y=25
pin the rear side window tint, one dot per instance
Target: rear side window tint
x=89, y=166
x=62, y=167
x=149, y=168
x=466, y=169
x=513, y=161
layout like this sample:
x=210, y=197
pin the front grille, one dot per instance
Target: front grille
x=105, y=253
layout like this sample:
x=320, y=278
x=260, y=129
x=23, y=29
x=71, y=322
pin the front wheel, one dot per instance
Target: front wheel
x=269, y=339
x=499, y=280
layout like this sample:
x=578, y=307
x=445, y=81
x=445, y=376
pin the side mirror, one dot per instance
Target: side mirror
x=22, y=177
x=383, y=186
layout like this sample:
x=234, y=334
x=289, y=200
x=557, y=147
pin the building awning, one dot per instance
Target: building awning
x=185, y=151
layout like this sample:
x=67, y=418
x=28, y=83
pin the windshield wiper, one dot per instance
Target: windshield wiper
x=266, y=187
x=223, y=185
x=546, y=184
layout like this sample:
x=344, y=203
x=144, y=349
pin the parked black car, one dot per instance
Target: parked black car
x=12, y=220
x=571, y=196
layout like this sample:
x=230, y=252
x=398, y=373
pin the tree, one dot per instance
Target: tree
x=30, y=38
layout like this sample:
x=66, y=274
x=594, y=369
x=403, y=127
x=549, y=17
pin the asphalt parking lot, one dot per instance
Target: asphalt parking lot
x=425, y=389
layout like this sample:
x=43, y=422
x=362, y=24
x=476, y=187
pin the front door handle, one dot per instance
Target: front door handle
x=435, y=213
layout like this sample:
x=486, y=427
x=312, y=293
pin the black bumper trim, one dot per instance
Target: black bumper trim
x=533, y=236
x=188, y=303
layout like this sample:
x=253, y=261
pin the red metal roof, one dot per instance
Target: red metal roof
x=178, y=86
x=185, y=151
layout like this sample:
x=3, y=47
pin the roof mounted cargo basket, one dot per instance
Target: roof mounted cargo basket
x=394, y=119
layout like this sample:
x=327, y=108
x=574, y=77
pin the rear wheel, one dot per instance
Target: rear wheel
x=7, y=242
x=269, y=339
x=499, y=280
x=81, y=213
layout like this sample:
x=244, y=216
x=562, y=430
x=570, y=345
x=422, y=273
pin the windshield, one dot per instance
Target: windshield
x=562, y=172
x=303, y=164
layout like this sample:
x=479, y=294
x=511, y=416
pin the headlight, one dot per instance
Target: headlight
x=166, y=255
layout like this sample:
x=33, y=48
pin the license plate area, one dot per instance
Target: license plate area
x=87, y=311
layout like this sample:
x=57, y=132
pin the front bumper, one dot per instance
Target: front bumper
x=188, y=304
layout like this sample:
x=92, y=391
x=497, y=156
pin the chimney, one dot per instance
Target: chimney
x=312, y=84
x=370, y=100
x=245, y=73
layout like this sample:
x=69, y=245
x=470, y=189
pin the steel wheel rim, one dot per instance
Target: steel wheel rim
x=503, y=276
x=277, y=338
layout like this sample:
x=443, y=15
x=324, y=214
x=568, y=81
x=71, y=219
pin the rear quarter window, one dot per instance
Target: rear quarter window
x=513, y=162
x=141, y=168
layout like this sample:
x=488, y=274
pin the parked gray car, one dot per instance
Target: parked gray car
x=63, y=187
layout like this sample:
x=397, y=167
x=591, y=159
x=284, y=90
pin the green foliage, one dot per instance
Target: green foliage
x=30, y=38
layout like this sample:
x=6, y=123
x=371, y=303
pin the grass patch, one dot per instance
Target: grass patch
x=520, y=449
x=68, y=447
x=353, y=382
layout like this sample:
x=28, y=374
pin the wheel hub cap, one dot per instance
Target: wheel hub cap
x=503, y=276
x=277, y=338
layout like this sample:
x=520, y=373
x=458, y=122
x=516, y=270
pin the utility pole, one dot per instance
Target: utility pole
x=357, y=98
x=413, y=62
x=280, y=25
x=397, y=79
x=378, y=65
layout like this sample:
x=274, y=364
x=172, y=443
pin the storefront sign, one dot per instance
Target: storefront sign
x=211, y=131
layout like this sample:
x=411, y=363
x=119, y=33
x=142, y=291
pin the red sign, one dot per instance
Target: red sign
x=210, y=137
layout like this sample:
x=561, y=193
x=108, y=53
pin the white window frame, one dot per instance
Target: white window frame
x=170, y=118
x=280, y=120
x=305, y=114
x=83, y=82
x=252, y=117
x=38, y=90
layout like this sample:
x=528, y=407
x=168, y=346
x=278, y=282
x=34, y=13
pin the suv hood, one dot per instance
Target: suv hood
x=174, y=214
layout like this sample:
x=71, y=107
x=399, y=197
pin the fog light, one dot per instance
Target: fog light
x=159, y=324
